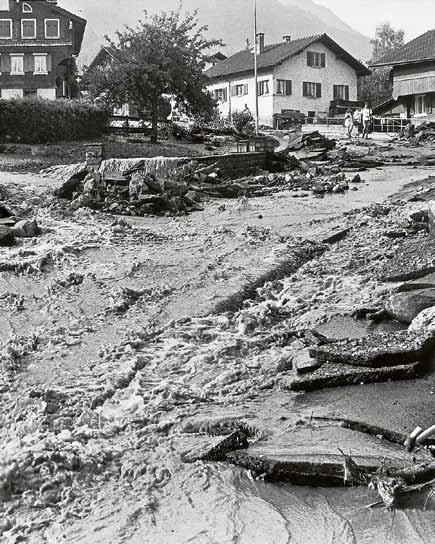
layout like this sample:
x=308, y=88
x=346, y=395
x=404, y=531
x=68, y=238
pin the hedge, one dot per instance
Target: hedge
x=38, y=121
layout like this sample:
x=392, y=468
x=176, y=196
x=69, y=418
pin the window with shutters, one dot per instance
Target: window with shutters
x=284, y=87
x=316, y=60
x=28, y=29
x=263, y=87
x=341, y=92
x=312, y=90
x=40, y=60
x=17, y=64
x=239, y=90
x=5, y=29
x=52, y=29
x=221, y=94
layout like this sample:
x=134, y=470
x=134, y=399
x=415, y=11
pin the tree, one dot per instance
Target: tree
x=378, y=86
x=164, y=55
x=386, y=41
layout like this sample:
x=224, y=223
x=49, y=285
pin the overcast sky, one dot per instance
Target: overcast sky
x=413, y=16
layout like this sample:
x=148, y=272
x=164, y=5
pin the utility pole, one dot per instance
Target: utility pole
x=255, y=68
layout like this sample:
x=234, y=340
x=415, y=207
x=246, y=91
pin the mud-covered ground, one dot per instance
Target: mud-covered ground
x=118, y=355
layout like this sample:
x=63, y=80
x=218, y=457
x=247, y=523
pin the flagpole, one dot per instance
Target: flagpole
x=255, y=68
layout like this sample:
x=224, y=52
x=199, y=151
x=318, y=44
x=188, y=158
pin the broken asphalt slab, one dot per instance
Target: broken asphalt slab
x=311, y=456
x=377, y=351
x=414, y=259
x=216, y=448
x=339, y=375
x=427, y=282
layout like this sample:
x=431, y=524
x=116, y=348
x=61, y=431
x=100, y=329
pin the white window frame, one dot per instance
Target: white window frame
x=220, y=94
x=263, y=87
x=341, y=90
x=317, y=59
x=17, y=55
x=10, y=28
x=311, y=86
x=239, y=89
x=42, y=73
x=58, y=29
x=27, y=8
x=34, y=29
x=423, y=99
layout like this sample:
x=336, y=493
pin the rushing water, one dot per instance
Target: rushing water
x=217, y=503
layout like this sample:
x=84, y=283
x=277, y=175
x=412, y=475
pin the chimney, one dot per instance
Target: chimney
x=260, y=43
x=287, y=38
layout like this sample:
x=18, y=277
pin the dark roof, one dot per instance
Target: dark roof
x=419, y=50
x=219, y=56
x=106, y=52
x=275, y=54
x=78, y=36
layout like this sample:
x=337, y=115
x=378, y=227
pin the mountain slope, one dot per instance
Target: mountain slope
x=230, y=20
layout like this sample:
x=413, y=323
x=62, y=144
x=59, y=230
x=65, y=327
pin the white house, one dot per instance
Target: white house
x=302, y=75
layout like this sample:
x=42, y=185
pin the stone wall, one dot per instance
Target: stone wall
x=232, y=165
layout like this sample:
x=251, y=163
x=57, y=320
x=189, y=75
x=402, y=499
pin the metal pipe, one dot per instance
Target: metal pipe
x=255, y=69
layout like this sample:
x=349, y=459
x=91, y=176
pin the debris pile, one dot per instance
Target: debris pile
x=425, y=132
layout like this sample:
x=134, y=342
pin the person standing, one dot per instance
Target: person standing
x=357, y=120
x=348, y=123
x=367, y=117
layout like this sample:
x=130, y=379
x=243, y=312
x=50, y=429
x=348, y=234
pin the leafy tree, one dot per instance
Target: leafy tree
x=164, y=55
x=379, y=86
x=387, y=40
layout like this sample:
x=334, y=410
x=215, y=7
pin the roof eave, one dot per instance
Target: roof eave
x=226, y=77
x=402, y=62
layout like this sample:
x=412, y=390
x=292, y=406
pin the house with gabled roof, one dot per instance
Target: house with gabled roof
x=413, y=73
x=303, y=75
x=39, y=41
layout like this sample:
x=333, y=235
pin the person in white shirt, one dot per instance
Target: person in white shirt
x=357, y=120
x=367, y=115
x=348, y=123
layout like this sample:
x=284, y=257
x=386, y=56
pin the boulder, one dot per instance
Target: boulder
x=356, y=179
x=406, y=306
x=381, y=350
x=4, y=212
x=26, y=229
x=71, y=185
x=304, y=363
x=7, y=238
x=424, y=320
x=138, y=186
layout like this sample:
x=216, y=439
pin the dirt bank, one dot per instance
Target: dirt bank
x=115, y=363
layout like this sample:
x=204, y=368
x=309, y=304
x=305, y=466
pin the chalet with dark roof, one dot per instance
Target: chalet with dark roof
x=303, y=75
x=413, y=72
x=39, y=42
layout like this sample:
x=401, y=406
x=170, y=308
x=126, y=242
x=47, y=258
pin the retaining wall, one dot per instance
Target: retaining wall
x=232, y=165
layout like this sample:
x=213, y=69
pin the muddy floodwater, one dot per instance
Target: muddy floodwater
x=117, y=357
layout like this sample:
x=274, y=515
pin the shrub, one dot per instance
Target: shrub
x=243, y=122
x=39, y=121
